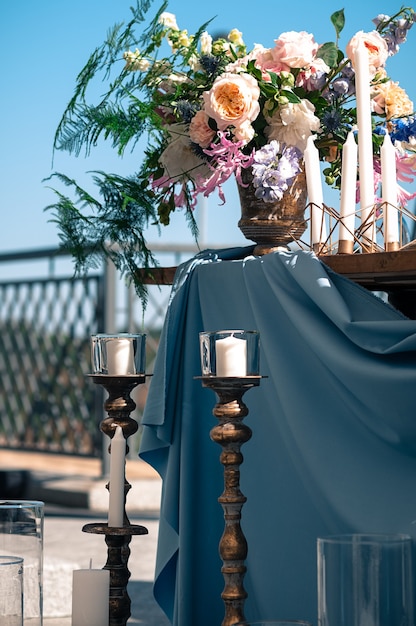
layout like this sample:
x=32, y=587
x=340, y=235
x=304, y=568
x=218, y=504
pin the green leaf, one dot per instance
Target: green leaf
x=254, y=71
x=291, y=97
x=338, y=20
x=328, y=52
x=268, y=90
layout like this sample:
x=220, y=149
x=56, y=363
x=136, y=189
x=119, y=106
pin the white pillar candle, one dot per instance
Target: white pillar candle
x=120, y=356
x=389, y=191
x=231, y=356
x=90, y=597
x=117, y=479
x=365, y=140
x=314, y=186
x=348, y=189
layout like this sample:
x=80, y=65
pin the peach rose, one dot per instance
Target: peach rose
x=232, y=100
x=199, y=131
x=294, y=49
x=391, y=100
x=376, y=46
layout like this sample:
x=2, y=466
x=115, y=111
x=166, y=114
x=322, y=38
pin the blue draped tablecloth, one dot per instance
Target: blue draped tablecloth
x=334, y=429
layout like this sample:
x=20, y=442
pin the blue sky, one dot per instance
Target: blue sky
x=45, y=44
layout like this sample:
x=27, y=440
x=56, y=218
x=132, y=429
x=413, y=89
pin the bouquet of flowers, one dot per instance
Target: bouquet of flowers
x=209, y=108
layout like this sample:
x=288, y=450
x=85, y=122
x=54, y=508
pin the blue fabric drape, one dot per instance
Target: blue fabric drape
x=334, y=429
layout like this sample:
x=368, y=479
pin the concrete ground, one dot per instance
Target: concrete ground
x=74, y=494
x=67, y=548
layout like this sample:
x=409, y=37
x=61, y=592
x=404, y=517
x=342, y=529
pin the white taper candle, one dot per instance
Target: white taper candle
x=315, y=196
x=117, y=478
x=348, y=189
x=365, y=141
x=389, y=190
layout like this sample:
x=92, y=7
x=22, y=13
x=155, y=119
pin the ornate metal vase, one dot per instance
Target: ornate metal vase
x=272, y=225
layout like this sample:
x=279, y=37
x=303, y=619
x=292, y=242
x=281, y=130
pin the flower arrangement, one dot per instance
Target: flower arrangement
x=210, y=108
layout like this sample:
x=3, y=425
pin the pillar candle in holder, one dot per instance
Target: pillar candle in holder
x=118, y=355
x=231, y=356
x=230, y=353
x=117, y=479
x=90, y=597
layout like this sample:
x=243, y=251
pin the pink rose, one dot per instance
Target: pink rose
x=294, y=50
x=232, y=100
x=265, y=61
x=199, y=131
x=376, y=46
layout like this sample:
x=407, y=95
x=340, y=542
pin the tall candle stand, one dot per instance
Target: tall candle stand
x=231, y=433
x=118, y=405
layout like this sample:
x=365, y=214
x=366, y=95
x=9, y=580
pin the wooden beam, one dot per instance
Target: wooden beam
x=157, y=275
x=377, y=271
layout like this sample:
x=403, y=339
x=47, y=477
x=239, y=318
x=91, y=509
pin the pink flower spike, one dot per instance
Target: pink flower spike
x=403, y=196
x=406, y=167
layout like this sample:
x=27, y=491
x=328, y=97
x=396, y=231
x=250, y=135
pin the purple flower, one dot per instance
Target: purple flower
x=394, y=31
x=275, y=165
x=341, y=86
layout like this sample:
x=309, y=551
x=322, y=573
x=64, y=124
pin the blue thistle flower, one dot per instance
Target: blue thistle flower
x=186, y=110
x=211, y=64
x=333, y=120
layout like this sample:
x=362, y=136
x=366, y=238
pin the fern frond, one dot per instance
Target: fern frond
x=110, y=227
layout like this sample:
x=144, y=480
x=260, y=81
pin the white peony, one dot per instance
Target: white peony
x=292, y=124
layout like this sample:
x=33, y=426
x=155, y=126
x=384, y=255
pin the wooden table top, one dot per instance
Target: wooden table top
x=377, y=271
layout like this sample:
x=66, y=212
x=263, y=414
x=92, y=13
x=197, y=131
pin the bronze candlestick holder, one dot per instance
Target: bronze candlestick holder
x=118, y=405
x=231, y=433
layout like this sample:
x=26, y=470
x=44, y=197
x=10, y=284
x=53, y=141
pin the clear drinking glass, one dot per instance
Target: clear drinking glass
x=21, y=534
x=365, y=580
x=123, y=354
x=11, y=591
x=230, y=353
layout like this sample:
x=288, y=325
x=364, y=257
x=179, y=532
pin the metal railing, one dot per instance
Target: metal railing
x=47, y=315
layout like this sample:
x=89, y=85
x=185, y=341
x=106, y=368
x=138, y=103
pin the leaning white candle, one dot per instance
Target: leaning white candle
x=120, y=356
x=314, y=186
x=389, y=191
x=231, y=356
x=365, y=140
x=348, y=189
x=117, y=479
x=90, y=597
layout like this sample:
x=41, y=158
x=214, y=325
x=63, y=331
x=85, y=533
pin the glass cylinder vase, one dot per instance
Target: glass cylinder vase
x=122, y=354
x=365, y=580
x=21, y=534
